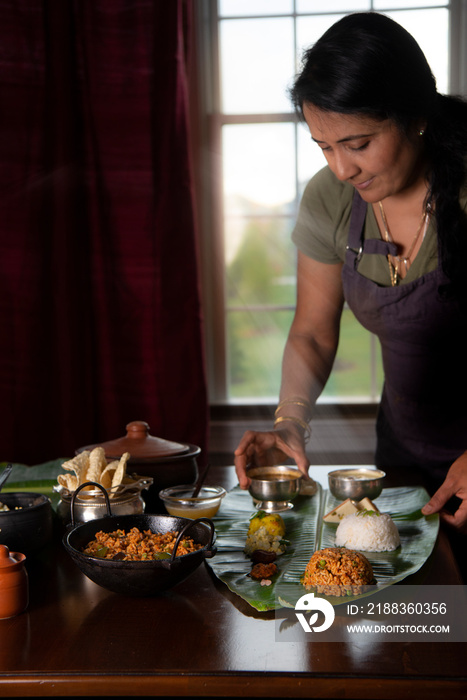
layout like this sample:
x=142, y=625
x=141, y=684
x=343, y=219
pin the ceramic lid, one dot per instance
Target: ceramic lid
x=9, y=561
x=140, y=444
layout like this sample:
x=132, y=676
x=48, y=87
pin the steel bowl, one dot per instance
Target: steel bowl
x=356, y=483
x=139, y=578
x=274, y=487
x=126, y=500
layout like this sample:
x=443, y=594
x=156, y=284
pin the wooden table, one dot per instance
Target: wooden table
x=199, y=639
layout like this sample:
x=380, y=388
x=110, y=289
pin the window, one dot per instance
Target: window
x=257, y=160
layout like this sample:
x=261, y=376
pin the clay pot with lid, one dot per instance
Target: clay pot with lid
x=168, y=463
x=14, y=586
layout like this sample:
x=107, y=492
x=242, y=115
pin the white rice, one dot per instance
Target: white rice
x=368, y=531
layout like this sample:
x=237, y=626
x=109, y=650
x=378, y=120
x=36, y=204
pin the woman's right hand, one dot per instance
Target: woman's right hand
x=269, y=447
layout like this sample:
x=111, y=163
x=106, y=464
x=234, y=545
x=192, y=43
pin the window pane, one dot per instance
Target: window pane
x=304, y=6
x=258, y=167
x=402, y=4
x=310, y=29
x=265, y=169
x=256, y=344
x=262, y=269
x=310, y=157
x=430, y=28
x=257, y=64
x=256, y=341
x=247, y=8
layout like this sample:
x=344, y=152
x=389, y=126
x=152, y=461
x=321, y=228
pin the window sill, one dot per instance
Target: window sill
x=341, y=433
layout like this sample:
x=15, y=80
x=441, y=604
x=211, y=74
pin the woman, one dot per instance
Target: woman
x=383, y=227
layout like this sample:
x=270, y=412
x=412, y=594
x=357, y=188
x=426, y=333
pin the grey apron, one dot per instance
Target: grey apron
x=422, y=420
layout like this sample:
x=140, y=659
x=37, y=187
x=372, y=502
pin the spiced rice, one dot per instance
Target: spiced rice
x=338, y=571
x=138, y=546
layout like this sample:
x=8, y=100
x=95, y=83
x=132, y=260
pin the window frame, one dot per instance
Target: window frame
x=208, y=181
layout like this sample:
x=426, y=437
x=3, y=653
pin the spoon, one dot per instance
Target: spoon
x=6, y=473
x=200, y=481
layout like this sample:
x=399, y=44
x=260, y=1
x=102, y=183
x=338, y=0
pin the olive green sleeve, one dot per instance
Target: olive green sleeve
x=324, y=214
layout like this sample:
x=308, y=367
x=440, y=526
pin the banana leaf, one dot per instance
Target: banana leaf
x=40, y=478
x=306, y=532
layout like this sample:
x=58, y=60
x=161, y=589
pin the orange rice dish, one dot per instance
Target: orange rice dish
x=138, y=546
x=338, y=571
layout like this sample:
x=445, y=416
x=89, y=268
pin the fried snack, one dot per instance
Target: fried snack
x=97, y=464
x=68, y=481
x=121, y=469
x=79, y=465
x=108, y=474
x=92, y=466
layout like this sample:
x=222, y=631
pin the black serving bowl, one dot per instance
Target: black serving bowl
x=28, y=526
x=139, y=578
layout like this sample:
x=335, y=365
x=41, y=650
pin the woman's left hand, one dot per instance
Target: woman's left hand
x=455, y=484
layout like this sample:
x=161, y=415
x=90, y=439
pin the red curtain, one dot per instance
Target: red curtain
x=100, y=320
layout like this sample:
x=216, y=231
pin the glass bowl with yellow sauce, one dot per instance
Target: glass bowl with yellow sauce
x=179, y=501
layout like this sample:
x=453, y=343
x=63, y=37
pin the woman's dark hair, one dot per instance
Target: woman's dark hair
x=368, y=64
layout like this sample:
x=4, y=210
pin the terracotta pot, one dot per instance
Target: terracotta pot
x=168, y=463
x=14, y=589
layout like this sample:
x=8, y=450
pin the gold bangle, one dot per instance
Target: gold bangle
x=295, y=402
x=306, y=428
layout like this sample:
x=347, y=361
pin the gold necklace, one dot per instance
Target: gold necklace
x=405, y=260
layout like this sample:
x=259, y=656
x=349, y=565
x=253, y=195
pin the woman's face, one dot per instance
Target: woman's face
x=373, y=156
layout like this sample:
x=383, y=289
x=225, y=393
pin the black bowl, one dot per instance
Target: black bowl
x=28, y=528
x=140, y=578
